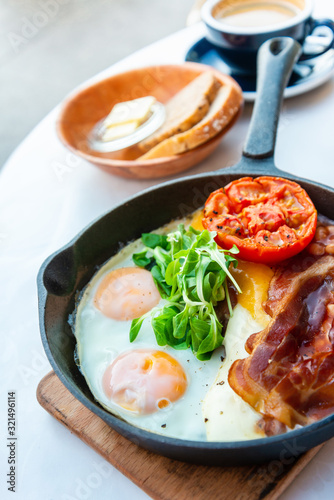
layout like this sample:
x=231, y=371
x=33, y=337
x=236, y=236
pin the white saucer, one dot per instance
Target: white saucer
x=306, y=76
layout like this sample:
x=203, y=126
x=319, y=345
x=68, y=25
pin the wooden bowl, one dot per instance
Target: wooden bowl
x=84, y=109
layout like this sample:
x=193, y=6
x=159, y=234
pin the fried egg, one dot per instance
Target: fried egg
x=161, y=389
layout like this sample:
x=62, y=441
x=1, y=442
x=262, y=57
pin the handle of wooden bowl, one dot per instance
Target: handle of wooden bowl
x=276, y=58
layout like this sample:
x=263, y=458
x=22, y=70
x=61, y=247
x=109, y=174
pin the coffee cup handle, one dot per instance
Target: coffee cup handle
x=318, y=23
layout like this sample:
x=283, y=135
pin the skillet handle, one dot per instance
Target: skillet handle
x=276, y=58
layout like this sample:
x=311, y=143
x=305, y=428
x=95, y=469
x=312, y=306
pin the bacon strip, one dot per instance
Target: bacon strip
x=289, y=374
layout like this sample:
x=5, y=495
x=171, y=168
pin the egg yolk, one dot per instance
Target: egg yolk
x=253, y=280
x=144, y=381
x=126, y=293
x=196, y=221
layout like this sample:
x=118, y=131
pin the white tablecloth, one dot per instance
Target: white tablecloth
x=47, y=195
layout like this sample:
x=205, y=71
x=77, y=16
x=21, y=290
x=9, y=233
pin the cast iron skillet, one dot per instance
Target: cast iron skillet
x=66, y=272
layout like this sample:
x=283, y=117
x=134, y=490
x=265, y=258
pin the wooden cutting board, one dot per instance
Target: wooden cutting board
x=160, y=477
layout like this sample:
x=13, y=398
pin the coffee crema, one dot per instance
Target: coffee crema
x=255, y=14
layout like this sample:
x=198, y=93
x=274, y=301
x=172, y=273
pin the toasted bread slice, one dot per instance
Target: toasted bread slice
x=223, y=109
x=186, y=108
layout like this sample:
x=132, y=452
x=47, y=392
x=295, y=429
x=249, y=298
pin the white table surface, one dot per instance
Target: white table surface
x=46, y=196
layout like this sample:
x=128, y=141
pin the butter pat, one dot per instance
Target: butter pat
x=118, y=131
x=134, y=112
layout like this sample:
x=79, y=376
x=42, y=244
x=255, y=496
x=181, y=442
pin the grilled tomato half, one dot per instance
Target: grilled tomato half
x=268, y=218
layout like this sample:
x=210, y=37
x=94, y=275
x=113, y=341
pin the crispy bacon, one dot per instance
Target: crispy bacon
x=283, y=277
x=289, y=375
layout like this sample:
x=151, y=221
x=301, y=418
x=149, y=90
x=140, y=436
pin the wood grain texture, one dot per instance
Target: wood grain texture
x=160, y=477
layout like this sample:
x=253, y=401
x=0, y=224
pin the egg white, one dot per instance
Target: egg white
x=227, y=416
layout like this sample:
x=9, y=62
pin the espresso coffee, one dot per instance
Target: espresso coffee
x=255, y=14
